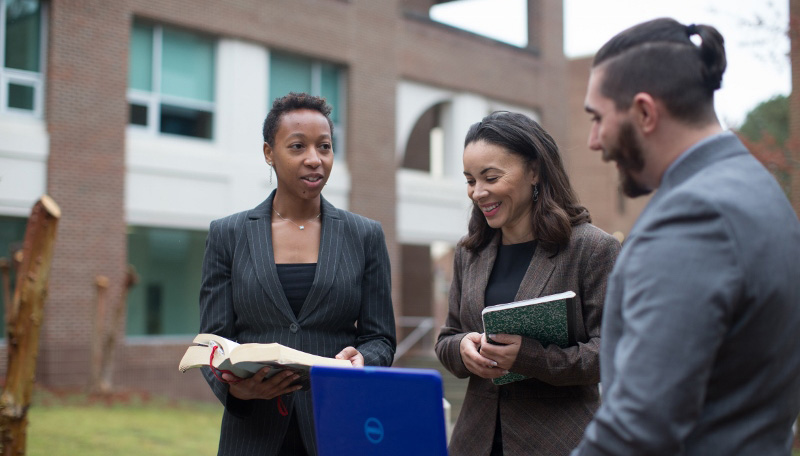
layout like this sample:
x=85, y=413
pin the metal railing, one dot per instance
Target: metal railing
x=422, y=326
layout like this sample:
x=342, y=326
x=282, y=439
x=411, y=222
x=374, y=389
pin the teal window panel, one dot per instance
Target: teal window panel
x=177, y=120
x=288, y=73
x=137, y=114
x=140, y=58
x=20, y=96
x=12, y=233
x=23, y=35
x=330, y=88
x=169, y=263
x=187, y=65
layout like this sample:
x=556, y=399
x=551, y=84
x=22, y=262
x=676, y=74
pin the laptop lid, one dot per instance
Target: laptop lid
x=378, y=411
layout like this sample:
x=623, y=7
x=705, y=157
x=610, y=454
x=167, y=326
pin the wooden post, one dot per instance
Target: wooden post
x=25, y=323
x=110, y=342
x=101, y=282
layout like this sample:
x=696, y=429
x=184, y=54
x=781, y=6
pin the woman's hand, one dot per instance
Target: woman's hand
x=504, y=354
x=477, y=363
x=256, y=387
x=352, y=355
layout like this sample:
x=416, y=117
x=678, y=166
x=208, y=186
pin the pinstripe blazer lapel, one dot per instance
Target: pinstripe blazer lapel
x=259, y=232
x=329, y=246
x=538, y=273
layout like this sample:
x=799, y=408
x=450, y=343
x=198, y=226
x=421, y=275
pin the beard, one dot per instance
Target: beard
x=628, y=155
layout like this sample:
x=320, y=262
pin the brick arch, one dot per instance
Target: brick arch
x=413, y=102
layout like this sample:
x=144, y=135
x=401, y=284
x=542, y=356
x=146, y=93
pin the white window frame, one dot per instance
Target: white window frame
x=22, y=77
x=154, y=99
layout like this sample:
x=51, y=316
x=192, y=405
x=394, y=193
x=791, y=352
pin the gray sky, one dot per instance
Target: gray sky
x=754, y=32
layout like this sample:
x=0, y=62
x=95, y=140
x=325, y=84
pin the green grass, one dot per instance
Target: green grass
x=128, y=425
x=125, y=425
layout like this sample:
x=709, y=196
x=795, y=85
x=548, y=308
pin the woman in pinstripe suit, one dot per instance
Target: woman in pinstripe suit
x=297, y=271
x=528, y=237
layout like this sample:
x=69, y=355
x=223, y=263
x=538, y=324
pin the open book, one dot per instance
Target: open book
x=545, y=319
x=244, y=360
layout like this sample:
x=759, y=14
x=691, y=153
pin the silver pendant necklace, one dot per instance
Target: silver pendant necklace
x=303, y=226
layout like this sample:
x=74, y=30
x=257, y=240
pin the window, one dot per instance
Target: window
x=21, y=42
x=169, y=263
x=292, y=73
x=12, y=233
x=171, y=81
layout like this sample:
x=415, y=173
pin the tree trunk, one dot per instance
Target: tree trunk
x=25, y=321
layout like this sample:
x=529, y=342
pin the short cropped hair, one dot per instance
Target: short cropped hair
x=292, y=102
x=658, y=57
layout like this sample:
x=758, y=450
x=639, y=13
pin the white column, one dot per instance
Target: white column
x=241, y=108
x=463, y=111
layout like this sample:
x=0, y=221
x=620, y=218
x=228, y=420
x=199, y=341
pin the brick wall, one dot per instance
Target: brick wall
x=86, y=115
x=371, y=122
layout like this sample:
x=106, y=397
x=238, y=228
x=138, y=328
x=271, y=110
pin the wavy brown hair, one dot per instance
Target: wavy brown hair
x=557, y=209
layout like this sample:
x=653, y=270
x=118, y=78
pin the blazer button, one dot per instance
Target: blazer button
x=504, y=393
x=294, y=327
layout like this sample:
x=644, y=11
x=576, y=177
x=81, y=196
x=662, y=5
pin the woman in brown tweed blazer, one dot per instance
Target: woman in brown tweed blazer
x=528, y=237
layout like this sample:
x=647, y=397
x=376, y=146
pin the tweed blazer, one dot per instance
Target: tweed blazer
x=700, y=335
x=241, y=298
x=545, y=414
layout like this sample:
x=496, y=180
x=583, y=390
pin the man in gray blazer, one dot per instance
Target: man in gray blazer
x=701, y=328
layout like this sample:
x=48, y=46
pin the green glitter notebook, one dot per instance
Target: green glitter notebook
x=545, y=319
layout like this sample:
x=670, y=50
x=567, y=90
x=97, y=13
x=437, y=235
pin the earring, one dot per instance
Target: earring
x=535, y=192
x=270, y=173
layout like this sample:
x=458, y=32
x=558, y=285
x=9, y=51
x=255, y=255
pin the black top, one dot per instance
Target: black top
x=507, y=273
x=509, y=268
x=296, y=279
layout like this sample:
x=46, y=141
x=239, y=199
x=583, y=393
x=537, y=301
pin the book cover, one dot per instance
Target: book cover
x=244, y=360
x=545, y=319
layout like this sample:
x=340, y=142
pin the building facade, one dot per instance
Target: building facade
x=142, y=120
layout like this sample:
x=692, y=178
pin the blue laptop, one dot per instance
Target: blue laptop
x=378, y=411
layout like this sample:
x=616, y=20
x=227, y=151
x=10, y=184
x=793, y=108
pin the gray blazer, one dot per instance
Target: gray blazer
x=242, y=299
x=546, y=414
x=701, y=333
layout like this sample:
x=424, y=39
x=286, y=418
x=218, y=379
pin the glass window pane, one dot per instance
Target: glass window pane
x=184, y=121
x=137, y=114
x=23, y=19
x=288, y=73
x=140, y=58
x=168, y=262
x=12, y=233
x=187, y=65
x=330, y=88
x=20, y=96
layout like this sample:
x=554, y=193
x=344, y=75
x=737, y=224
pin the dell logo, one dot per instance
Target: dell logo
x=373, y=430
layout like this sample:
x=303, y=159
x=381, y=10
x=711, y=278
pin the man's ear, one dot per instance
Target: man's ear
x=645, y=112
